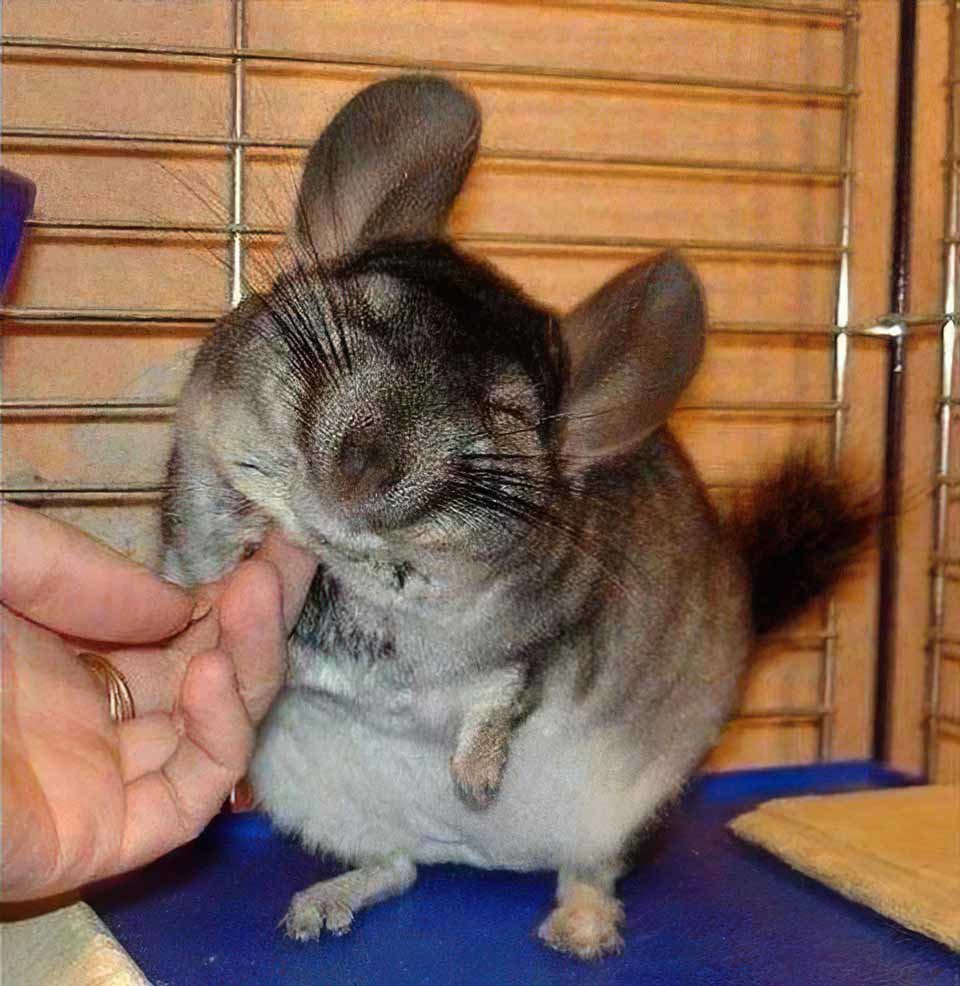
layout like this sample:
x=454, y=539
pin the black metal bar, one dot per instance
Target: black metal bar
x=896, y=371
x=903, y=164
x=889, y=538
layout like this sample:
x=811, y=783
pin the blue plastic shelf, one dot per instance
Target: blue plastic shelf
x=17, y=195
x=702, y=909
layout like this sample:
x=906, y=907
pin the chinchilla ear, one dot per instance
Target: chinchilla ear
x=633, y=347
x=388, y=166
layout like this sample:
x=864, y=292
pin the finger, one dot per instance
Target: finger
x=146, y=744
x=296, y=567
x=170, y=806
x=58, y=577
x=253, y=634
x=155, y=673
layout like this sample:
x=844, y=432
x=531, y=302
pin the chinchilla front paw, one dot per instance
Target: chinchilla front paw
x=477, y=770
x=329, y=906
x=323, y=907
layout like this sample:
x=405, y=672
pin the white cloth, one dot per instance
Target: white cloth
x=67, y=947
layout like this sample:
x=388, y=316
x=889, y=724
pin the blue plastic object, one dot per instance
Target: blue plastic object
x=703, y=908
x=17, y=195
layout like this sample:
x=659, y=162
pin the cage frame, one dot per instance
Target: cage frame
x=892, y=329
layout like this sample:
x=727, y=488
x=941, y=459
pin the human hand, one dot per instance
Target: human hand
x=84, y=797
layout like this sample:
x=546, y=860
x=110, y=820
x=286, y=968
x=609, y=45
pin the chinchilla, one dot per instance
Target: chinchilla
x=528, y=623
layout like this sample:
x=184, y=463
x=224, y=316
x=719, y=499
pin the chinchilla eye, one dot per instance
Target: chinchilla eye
x=510, y=410
x=253, y=466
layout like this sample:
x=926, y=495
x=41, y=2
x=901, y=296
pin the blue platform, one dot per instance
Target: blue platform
x=702, y=909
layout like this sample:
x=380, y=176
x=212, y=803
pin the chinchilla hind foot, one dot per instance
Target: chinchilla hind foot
x=331, y=904
x=586, y=920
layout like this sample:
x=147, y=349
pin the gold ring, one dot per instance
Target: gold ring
x=119, y=695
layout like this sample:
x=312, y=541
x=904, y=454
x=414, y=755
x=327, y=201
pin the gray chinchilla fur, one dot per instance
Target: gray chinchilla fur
x=528, y=624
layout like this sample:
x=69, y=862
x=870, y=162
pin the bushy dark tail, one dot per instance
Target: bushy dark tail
x=798, y=529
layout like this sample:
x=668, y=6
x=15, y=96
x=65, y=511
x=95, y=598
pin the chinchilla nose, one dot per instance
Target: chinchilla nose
x=366, y=465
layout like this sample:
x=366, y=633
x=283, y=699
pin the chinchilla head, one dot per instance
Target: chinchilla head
x=390, y=396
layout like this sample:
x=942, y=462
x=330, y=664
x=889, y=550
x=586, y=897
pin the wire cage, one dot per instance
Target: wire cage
x=943, y=655
x=825, y=187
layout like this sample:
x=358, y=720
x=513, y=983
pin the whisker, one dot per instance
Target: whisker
x=506, y=495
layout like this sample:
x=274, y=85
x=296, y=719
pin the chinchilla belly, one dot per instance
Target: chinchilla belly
x=572, y=792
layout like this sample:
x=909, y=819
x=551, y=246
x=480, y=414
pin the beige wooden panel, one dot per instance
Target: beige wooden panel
x=729, y=448
x=954, y=460
x=75, y=92
x=531, y=199
x=950, y=688
x=620, y=202
x=785, y=368
x=528, y=114
x=783, y=678
x=84, y=452
x=951, y=605
x=947, y=737
x=131, y=525
x=948, y=760
x=607, y=119
x=762, y=744
x=612, y=38
x=953, y=524
x=77, y=271
x=60, y=362
x=76, y=181
x=197, y=22
x=187, y=271
x=738, y=288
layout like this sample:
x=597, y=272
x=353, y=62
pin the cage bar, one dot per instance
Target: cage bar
x=511, y=240
x=841, y=345
x=237, y=121
x=566, y=75
x=493, y=155
x=25, y=407
x=938, y=640
x=829, y=11
x=147, y=317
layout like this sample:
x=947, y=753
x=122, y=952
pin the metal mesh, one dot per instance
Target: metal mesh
x=944, y=646
x=236, y=233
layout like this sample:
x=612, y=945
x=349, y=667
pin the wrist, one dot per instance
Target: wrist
x=30, y=856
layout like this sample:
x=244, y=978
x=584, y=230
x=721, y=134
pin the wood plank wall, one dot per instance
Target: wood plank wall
x=600, y=140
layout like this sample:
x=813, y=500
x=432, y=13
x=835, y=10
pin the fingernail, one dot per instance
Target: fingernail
x=201, y=609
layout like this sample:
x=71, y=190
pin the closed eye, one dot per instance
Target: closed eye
x=255, y=467
x=513, y=411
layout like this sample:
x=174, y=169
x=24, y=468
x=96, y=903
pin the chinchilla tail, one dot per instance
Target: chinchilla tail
x=799, y=529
